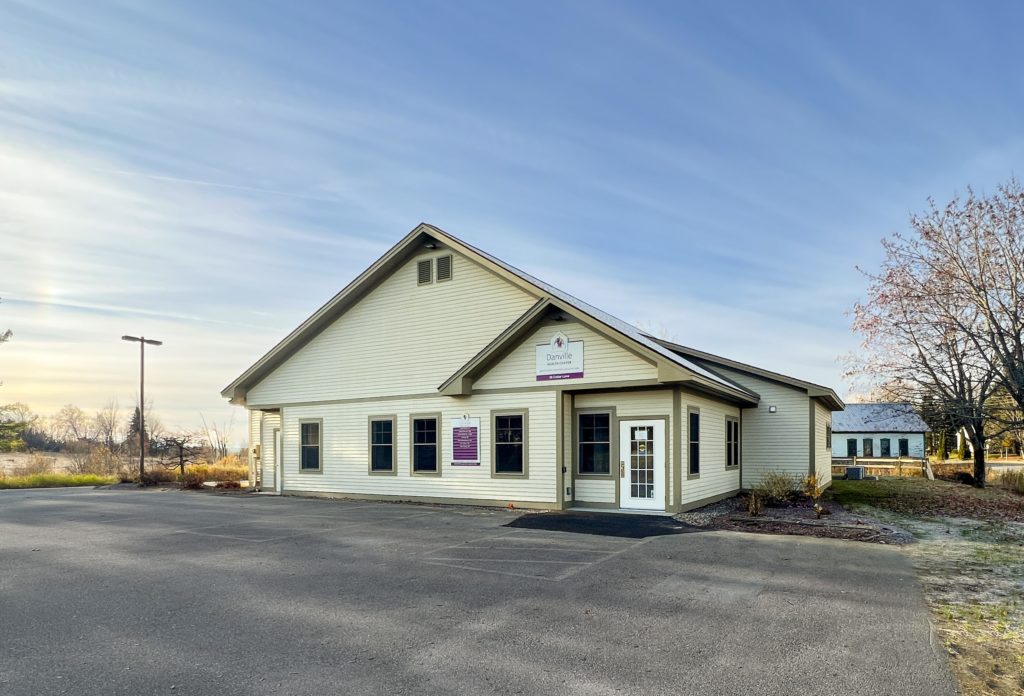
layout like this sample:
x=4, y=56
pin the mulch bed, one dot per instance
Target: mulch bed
x=798, y=518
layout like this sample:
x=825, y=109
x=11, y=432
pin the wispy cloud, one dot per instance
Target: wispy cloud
x=210, y=175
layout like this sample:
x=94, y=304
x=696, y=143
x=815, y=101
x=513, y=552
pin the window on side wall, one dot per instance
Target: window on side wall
x=851, y=447
x=426, y=451
x=869, y=447
x=382, y=445
x=885, y=445
x=693, y=462
x=828, y=436
x=595, y=443
x=732, y=443
x=509, y=444
x=310, y=459
x=904, y=445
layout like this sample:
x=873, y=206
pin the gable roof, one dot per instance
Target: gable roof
x=547, y=296
x=879, y=418
x=816, y=391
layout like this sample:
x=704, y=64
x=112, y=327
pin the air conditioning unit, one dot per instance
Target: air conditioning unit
x=855, y=473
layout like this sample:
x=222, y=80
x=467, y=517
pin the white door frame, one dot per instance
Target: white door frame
x=278, y=462
x=651, y=472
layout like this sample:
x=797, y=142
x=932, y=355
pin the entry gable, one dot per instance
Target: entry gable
x=525, y=355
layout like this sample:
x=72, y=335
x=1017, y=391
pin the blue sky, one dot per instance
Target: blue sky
x=210, y=173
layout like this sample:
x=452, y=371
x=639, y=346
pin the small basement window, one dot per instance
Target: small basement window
x=424, y=272
x=444, y=268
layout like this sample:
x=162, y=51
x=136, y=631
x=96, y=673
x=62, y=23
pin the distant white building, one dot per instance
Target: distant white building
x=878, y=430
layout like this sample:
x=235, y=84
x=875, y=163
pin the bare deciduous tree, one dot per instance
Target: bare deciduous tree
x=974, y=248
x=107, y=424
x=181, y=449
x=216, y=437
x=944, y=314
x=70, y=424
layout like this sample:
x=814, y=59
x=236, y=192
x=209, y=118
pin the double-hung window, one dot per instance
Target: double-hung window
x=693, y=461
x=426, y=446
x=382, y=445
x=509, y=456
x=732, y=443
x=595, y=444
x=310, y=456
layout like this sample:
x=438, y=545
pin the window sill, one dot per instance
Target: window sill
x=311, y=471
x=693, y=477
x=425, y=473
x=382, y=472
x=585, y=475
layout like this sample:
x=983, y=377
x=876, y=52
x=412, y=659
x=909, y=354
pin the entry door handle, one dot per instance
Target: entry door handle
x=622, y=468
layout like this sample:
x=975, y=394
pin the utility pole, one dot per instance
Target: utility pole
x=142, y=341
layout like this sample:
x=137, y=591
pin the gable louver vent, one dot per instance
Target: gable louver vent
x=444, y=268
x=423, y=274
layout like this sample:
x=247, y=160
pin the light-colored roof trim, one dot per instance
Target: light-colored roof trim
x=815, y=391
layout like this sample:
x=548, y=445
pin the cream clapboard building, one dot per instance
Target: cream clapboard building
x=444, y=374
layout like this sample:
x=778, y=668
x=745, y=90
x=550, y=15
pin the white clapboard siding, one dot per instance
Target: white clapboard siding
x=915, y=443
x=773, y=441
x=402, y=338
x=271, y=421
x=604, y=360
x=627, y=404
x=822, y=454
x=255, y=426
x=714, y=478
x=346, y=449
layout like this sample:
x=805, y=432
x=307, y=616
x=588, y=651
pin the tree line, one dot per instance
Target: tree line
x=108, y=439
x=943, y=319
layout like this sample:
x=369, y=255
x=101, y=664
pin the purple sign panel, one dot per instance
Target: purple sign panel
x=466, y=442
x=567, y=375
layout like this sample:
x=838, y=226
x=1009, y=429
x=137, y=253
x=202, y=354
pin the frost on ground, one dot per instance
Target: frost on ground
x=972, y=574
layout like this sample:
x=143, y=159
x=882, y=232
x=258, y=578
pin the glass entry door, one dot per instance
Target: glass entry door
x=642, y=464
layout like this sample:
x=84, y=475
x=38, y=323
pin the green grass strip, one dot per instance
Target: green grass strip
x=55, y=480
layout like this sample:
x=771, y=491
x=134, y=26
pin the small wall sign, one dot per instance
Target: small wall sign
x=559, y=358
x=466, y=441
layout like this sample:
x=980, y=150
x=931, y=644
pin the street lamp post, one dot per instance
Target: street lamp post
x=142, y=341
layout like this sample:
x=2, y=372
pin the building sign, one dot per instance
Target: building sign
x=559, y=358
x=466, y=441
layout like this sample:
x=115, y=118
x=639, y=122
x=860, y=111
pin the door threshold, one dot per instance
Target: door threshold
x=620, y=511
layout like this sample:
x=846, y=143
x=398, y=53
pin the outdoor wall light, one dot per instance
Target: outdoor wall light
x=772, y=409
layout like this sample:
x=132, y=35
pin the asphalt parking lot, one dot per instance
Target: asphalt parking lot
x=149, y=592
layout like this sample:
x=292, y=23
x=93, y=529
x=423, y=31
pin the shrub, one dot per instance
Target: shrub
x=152, y=477
x=38, y=464
x=1013, y=480
x=54, y=480
x=229, y=484
x=753, y=504
x=776, y=487
x=227, y=469
x=193, y=478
